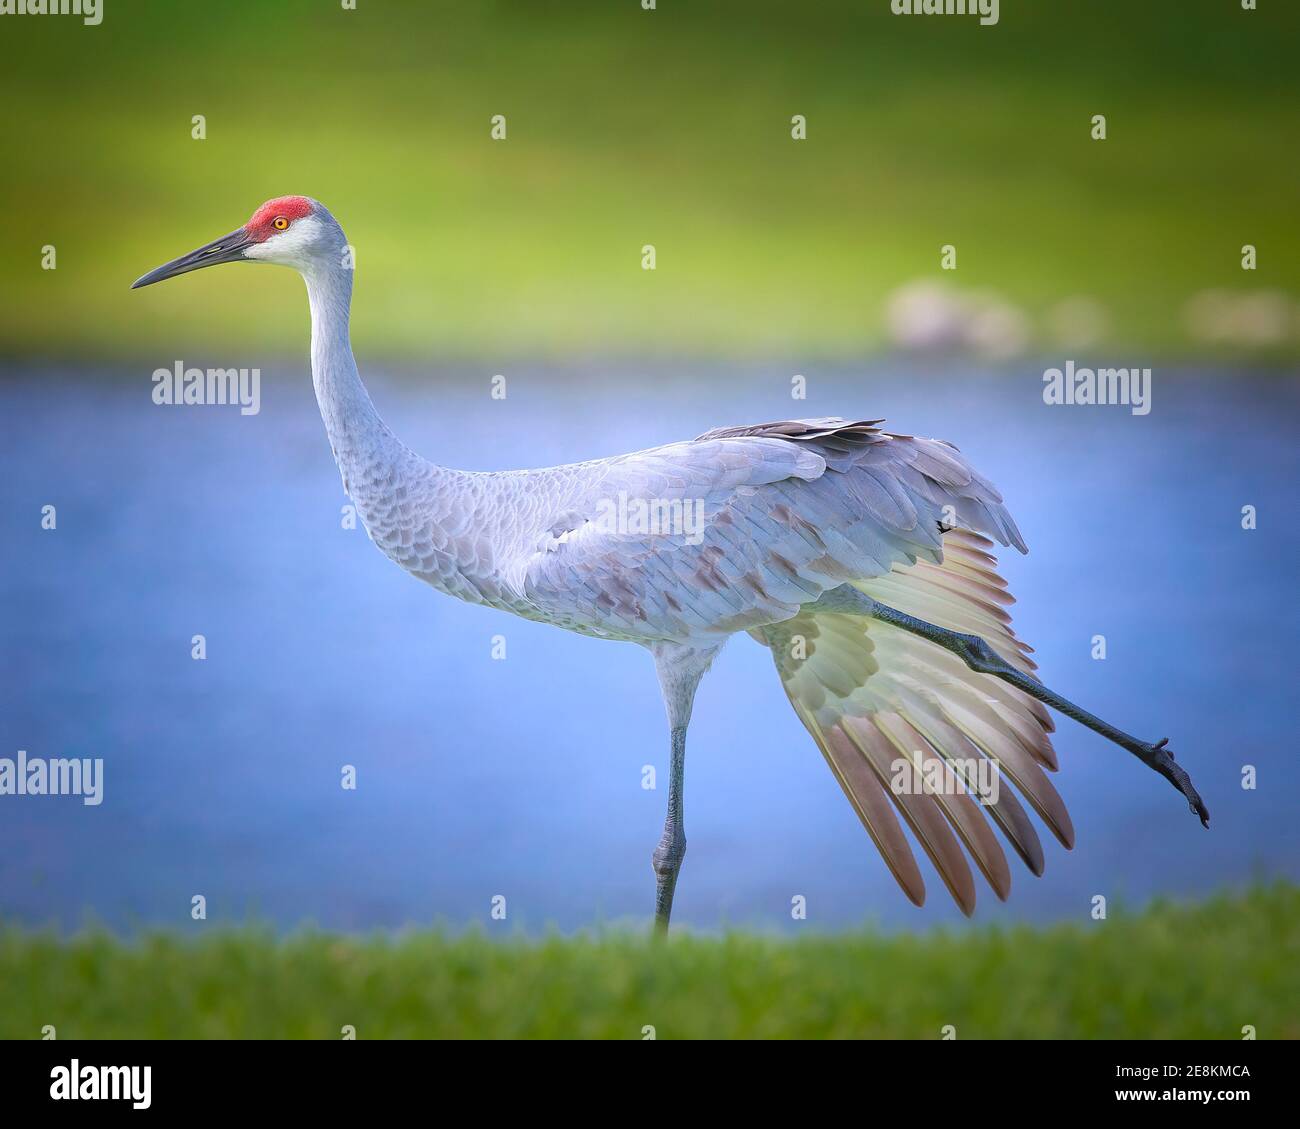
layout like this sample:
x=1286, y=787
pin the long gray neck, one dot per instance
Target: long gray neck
x=404, y=501
x=361, y=441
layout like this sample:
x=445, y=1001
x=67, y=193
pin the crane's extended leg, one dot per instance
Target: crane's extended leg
x=979, y=656
x=680, y=670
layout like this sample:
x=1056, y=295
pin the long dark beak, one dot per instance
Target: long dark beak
x=227, y=249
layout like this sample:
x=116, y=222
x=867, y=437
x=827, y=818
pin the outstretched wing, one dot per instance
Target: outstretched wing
x=769, y=517
x=908, y=727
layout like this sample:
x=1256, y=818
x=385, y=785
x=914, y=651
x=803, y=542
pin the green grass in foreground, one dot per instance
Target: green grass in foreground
x=1169, y=971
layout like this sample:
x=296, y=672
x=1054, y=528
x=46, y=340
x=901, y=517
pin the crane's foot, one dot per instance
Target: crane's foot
x=1160, y=758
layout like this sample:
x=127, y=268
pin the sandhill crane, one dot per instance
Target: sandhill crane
x=859, y=557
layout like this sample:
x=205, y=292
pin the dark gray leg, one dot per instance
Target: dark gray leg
x=667, y=857
x=680, y=669
x=979, y=656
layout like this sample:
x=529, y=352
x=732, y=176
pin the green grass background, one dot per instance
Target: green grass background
x=628, y=127
x=1169, y=971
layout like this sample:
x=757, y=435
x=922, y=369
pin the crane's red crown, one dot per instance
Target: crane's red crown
x=262, y=225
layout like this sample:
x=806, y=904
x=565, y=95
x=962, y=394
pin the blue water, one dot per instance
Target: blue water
x=479, y=777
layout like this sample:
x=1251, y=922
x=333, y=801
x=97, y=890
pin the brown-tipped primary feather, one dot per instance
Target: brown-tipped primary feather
x=921, y=813
x=872, y=805
x=952, y=798
x=970, y=717
x=1006, y=811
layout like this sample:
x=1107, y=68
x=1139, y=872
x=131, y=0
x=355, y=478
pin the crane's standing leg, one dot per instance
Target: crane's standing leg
x=979, y=656
x=680, y=669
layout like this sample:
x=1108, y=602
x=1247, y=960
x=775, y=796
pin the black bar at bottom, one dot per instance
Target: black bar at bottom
x=358, y=1076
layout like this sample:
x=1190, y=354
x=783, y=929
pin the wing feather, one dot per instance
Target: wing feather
x=893, y=697
x=787, y=510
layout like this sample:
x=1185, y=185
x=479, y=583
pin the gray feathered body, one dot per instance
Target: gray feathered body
x=779, y=513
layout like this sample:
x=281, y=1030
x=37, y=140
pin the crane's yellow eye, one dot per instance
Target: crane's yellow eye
x=279, y=223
